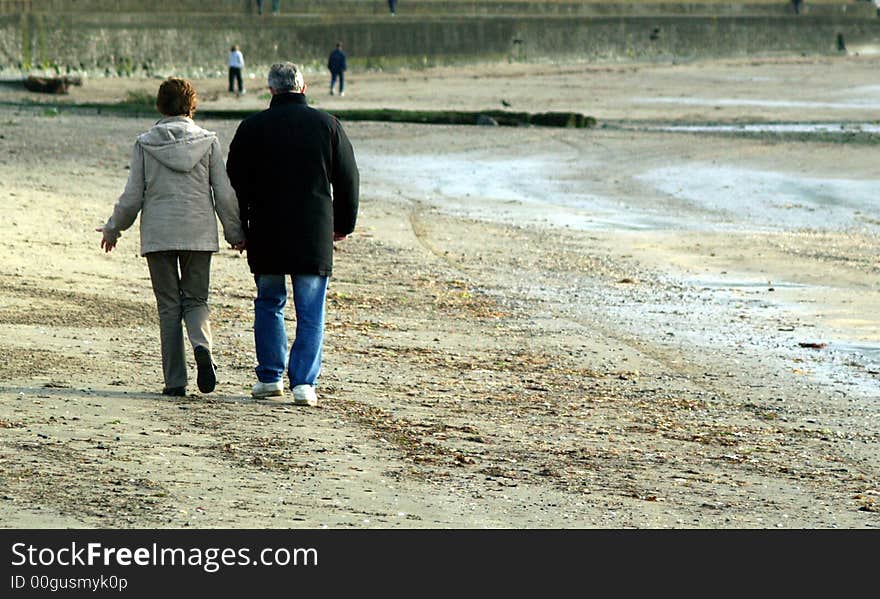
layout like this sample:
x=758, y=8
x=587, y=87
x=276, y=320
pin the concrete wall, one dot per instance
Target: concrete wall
x=145, y=45
x=407, y=8
x=148, y=46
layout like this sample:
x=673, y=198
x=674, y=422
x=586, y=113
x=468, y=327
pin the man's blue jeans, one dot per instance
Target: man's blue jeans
x=337, y=75
x=270, y=335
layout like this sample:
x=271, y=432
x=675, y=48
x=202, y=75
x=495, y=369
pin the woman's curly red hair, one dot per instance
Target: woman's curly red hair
x=177, y=97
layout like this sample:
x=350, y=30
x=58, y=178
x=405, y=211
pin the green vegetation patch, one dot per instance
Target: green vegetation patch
x=140, y=100
x=141, y=103
x=443, y=117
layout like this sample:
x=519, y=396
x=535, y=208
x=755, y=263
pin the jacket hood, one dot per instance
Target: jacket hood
x=177, y=143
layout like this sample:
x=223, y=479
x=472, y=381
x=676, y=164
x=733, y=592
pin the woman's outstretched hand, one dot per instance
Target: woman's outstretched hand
x=106, y=245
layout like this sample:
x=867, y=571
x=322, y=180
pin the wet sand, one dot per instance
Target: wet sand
x=532, y=327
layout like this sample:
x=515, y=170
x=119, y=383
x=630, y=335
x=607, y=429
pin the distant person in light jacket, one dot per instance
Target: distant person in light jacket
x=236, y=66
x=178, y=183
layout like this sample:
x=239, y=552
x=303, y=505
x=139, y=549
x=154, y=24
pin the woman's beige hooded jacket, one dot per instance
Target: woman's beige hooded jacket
x=177, y=182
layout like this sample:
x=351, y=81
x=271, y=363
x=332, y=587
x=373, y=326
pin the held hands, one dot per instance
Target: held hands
x=241, y=246
x=106, y=244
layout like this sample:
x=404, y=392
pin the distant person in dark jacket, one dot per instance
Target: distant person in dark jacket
x=337, y=65
x=392, y=6
x=283, y=163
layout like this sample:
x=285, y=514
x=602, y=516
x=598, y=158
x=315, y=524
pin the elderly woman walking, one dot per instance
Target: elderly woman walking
x=178, y=183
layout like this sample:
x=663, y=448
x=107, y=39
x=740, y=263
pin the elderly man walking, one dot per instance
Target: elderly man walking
x=283, y=163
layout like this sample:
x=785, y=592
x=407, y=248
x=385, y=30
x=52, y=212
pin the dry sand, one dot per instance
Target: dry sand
x=531, y=327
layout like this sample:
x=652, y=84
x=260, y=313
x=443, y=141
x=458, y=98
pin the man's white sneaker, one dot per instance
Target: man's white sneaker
x=263, y=390
x=304, y=395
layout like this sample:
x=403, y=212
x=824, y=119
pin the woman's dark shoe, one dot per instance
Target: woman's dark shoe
x=207, y=376
x=174, y=391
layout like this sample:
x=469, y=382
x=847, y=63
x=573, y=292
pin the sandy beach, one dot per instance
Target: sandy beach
x=626, y=326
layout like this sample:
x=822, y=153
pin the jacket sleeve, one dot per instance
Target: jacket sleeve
x=237, y=169
x=345, y=179
x=131, y=201
x=225, y=202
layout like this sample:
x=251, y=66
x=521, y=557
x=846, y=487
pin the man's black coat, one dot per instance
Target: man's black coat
x=282, y=163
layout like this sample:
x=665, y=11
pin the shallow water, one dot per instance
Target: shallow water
x=869, y=103
x=770, y=200
x=536, y=191
x=868, y=353
x=707, y=283
x=512, y=191
x=841, y=128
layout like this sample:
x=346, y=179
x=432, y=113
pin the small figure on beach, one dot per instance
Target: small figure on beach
x=236, y=66
x=392, y=7
x=283, y=163
x=178, y=184
x=276, y=7
x=259, y=7
x=337, y=66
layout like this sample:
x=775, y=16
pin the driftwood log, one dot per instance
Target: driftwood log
x=50, y=85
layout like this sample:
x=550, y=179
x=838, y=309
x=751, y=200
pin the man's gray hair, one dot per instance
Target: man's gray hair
x=286, y=77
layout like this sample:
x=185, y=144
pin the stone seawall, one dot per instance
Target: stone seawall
x=488, y=8
x=148, y=45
